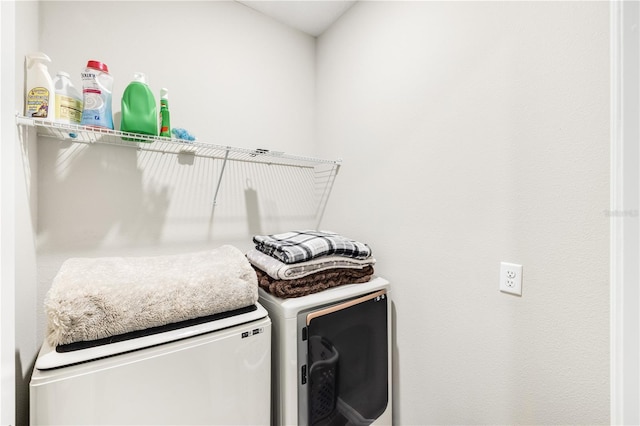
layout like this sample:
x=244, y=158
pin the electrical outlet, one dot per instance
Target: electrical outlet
x=511, y=278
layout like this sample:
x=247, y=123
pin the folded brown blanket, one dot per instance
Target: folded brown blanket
x=313, y=283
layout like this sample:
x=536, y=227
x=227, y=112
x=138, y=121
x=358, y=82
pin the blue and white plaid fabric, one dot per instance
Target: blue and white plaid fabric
x=301, y=246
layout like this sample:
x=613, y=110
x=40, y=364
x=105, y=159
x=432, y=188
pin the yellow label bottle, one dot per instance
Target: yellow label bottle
x=68, y=100
x=40, y=100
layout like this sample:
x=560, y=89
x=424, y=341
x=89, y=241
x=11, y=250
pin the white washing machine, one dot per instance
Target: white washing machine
x=332, y=356
x=215, y=373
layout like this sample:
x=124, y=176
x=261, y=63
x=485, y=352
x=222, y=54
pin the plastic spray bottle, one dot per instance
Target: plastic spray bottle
x=40, y=99
x=139, y=110
x=68, y=100
x=165, y=121
x=97, y=85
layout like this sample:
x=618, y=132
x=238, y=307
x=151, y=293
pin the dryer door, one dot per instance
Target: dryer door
x=346, y=372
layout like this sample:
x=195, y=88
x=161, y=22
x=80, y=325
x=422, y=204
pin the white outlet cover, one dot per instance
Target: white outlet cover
x=511, y=278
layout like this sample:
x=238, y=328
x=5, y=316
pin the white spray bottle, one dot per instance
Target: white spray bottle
x=40, y=99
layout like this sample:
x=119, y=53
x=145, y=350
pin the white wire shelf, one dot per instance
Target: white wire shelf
x=323, y=171
x=84, y=134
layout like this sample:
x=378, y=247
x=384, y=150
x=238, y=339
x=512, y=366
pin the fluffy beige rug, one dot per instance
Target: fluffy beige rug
x=101, y=297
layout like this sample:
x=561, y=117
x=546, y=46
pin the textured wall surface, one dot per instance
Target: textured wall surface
x=475, y=133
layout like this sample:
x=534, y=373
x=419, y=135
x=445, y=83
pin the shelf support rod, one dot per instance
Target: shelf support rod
x=224, y=164
x=324, y=197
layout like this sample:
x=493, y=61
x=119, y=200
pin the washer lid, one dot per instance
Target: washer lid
x=50, y=358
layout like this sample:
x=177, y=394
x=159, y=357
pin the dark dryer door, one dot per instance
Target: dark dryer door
x=347, y=359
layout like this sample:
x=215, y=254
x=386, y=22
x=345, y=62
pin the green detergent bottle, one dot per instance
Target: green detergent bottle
x=139, y=111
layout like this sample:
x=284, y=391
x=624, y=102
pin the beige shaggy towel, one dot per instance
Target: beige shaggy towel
x=96, y=298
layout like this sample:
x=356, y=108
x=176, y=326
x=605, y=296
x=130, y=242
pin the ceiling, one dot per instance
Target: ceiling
x=309, y=16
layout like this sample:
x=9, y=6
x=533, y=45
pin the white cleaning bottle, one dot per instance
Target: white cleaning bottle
x=68, y=100
x=97, y=85
x=40, y=99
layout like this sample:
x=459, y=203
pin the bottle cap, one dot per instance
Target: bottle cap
x=98, y=66
x=140, y=77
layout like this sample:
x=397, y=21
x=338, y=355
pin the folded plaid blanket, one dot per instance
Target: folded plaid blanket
x=281, y=271
x=301, y=246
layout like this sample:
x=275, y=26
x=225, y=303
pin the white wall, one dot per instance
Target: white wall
x=625, y=204
x=18, y=201
x=7, y=179
x=472, y=133
x=235, y=77
x=475, y=133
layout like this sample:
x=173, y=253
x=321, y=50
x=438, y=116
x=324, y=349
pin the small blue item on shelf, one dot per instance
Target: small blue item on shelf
x=183, y=134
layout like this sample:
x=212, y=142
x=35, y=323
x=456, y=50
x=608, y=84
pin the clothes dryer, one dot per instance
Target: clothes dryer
x=332, y=356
